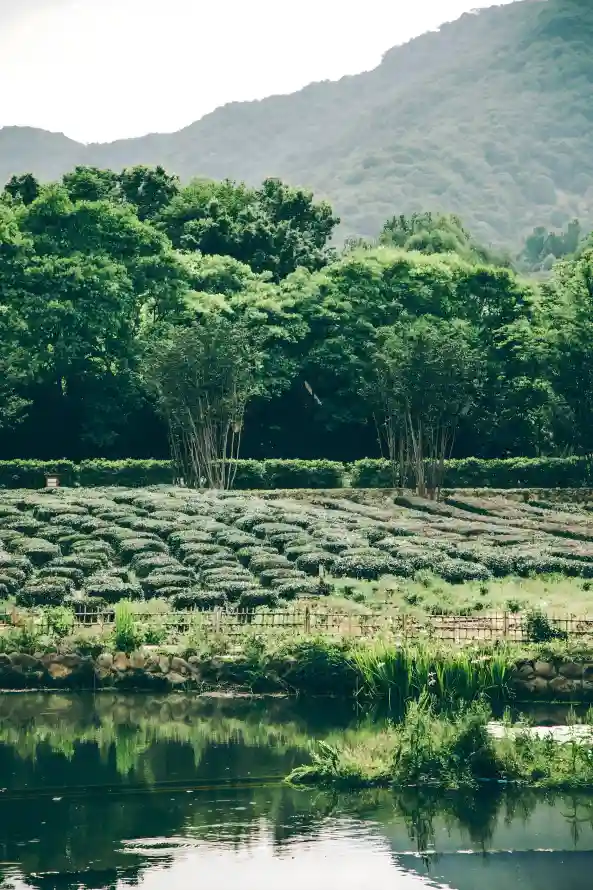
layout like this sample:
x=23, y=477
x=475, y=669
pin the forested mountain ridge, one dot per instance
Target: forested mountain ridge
x=490, y=118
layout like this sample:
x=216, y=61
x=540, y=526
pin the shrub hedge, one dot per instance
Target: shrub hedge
x=540, y=472
x=303, y=474
x=126, y=473
x=31, y=473
x=544, y=472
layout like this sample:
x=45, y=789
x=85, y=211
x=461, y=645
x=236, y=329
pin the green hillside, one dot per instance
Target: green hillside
x=490, y=118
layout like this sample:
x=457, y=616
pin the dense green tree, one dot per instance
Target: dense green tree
x=149, y=189
x=204, y=375
x=346, y=305
x=272, y=229
x=101, y=268
x=91, y=184
x=542, y=248
x=79, y=282
x=569, y=304
x=23, y=188
x=427, y=376
x=436, y=233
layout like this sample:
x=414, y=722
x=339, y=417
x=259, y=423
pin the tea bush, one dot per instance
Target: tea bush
x=10, y=562
x=46, y=593
x=311, y=562
x=260, y=563
x=267, y=529
x=458, y=571
x=369, y=566
x=52, y=570
x=129, y=548
x=78, y=602
x=236, y=540
x=142, y=564
x=290, y=588
x=86, y=564
x=253, y=599
x=293, y=551
x=8, y=584
x=199, y=599
x=155, y=583
x=130, y=543
x=273, y=577
x=111, y=588
x=233, y=588
x=37, y=551
x=23, y=524
x=246, y=554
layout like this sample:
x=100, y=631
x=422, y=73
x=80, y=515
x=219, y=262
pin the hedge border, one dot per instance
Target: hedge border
x=513, y=473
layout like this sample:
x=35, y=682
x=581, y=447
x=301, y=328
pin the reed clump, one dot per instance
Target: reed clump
x=397, y=674
x=454, y=750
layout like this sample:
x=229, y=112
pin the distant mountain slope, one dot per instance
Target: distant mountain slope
x=491, y=118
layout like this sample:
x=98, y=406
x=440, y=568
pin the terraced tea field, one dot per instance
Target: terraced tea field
x=94, y=547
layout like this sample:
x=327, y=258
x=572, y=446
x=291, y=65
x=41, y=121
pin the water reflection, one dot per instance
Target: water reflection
x=117, y=791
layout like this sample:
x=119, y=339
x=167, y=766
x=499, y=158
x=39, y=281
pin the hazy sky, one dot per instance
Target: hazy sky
x=99, y=70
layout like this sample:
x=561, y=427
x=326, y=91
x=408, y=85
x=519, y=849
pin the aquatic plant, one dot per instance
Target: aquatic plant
x=453, y=749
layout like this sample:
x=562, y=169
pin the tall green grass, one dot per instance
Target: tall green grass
x=404, y=673
x=127, y=634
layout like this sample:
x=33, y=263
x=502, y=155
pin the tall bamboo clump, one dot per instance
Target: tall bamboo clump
x=204, y=376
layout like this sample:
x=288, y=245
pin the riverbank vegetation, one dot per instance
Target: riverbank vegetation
x=386, y=672
x=450, y=750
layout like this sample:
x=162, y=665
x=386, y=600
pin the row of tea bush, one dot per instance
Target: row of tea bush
x=545, y=472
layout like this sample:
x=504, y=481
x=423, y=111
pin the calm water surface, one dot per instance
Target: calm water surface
x=180, y=792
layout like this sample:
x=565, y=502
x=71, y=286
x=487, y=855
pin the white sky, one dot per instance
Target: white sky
x=100, y=70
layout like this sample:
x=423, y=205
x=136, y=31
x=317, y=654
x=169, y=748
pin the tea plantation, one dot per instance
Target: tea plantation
x=94, y=547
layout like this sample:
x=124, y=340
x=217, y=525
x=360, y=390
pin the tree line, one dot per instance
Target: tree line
x=142, y=318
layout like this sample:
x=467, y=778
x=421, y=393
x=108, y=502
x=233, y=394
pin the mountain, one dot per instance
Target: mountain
x=490, y=117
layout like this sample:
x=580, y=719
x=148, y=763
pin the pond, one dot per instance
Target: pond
x=116, y=791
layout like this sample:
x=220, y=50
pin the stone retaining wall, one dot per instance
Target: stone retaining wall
x=137, y=671
x=548, y=680
x=544, y=680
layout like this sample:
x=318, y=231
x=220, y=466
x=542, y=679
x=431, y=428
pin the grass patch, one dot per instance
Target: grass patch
x=427, y=594
x=452, y=750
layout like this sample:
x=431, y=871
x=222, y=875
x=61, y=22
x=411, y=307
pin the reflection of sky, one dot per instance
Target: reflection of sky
x=329, y=861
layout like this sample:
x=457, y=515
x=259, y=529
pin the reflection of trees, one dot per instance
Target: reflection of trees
x=577, y=812
x=130, y=728
x=89, y=880
x=121, y=767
